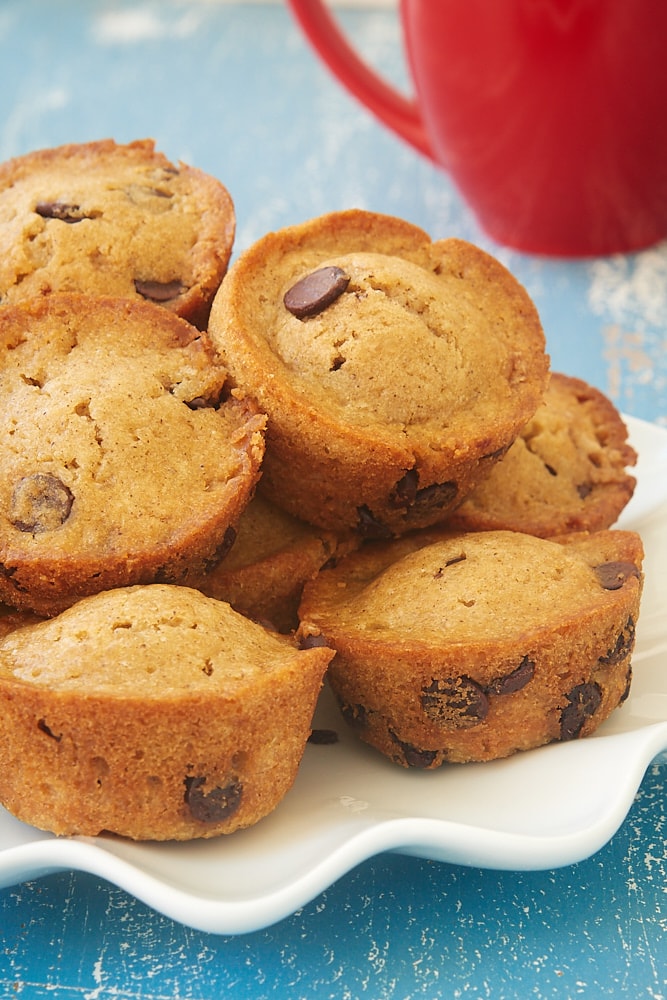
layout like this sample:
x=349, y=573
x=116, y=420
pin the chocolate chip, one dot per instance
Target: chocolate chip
x=612, y=575
x=40, y=502
x=622, y=647
x=61, y=210
x=356, y=716
x=213, y=806
x=628, y=684
x=323, y=737
x=159, y=291
x=433, y=497
x=49, y=732
x=405, y=493
x=583, y=702
x=212, y=402
x=440, y=572
x=141, y=194
x=222, y=550
x=495, y=456
x=514, y=681
x=584, y=490
x=315, y=292
x=369, y=526
x=312, y=641
x=414, y=756
x=455, y=702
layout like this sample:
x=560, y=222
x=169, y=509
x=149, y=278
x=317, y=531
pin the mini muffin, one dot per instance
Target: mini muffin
x=394, y=370
x=565, y=472
x=107, y=219
x=124, y=459
x=472, y=646
x=273, y=555
x=152, y=712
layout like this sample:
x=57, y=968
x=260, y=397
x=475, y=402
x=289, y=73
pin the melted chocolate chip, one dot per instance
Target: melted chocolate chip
x=61, y=210
x=323, y=737
x=455, y=702
x=214, y=806
x=356, y=716
x=40, y=502
x=226, y=543
x=494, y=456
x=369, y=526
x=49, y=732
x=622, y=647
x=405, y=493
x=583, y=702
x=312, y=641
x=514, y=681
x=159, y=291
x=315, y=292
x=433, y=497
x=414, y=756
x=440, y=572
x=612, y=575
x=222, y=550
x=628, y=684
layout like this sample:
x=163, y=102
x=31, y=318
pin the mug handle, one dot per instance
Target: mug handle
x=399, y=113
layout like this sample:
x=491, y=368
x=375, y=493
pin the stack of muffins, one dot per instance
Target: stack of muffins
x=346, y=455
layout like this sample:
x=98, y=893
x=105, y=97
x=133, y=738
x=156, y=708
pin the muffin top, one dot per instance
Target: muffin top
x=111, y=219
x=365, y=320
x=433, y=589
x=117, y=435
x=157, y=641
x=565, y=472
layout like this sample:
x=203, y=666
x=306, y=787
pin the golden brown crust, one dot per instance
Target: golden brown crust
x=565, y=472
x=386, y=406
x=124, y=458
x=271, y=559
x=471, y=646
x=107, y=219
x=152, y=712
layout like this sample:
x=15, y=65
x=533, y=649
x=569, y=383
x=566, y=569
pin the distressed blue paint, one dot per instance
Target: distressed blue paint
x=233, y=89
x=395, y=927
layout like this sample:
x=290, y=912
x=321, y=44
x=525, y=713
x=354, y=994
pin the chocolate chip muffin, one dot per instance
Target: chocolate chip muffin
x=273, y=555
x=109, y=219
x=472, y=646
x=567, y=470
x=124, y=457
x=394, y=370
x=152, y=712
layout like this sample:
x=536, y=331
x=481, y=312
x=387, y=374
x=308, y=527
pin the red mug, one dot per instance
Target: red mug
x=550, y=116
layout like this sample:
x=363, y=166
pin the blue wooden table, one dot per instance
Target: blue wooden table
x=234, y=89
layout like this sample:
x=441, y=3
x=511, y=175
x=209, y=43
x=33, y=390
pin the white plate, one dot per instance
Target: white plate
x=542, y=809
